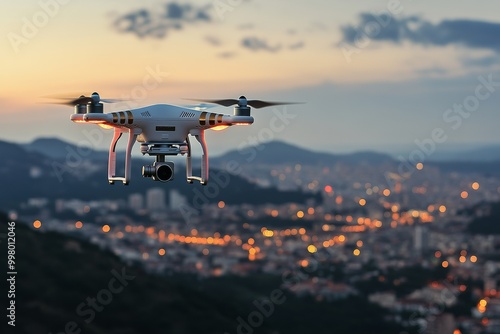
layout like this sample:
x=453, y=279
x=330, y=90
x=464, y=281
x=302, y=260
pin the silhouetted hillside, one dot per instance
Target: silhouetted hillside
x=278, y=152
x=487, y=168
x=59, y=277
x=488, y=224
x=57, y=148
x=30, y=174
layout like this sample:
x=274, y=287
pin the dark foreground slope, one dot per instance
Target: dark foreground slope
x=486, y=223
x=65, y=285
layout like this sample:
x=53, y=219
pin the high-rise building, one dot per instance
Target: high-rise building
x=420, y=239
x=136, y=201
x=155, y=199
x=440, y=324
x=176, y=200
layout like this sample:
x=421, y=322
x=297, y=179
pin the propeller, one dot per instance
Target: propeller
x=71, y=101
x=243, y=102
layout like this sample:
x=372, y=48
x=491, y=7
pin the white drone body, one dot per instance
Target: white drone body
x=163, y=130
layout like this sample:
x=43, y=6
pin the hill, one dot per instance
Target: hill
x=30, y=174
x=486, y=224
x=58, y=149
x=277, y=152
x=65, y=284
x=486, y=168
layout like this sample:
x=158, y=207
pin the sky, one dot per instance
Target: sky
x=374, y=75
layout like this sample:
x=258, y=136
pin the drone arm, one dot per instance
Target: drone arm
x=96, y=118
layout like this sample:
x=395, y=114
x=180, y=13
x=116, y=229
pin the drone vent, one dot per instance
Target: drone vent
x=145, y=114
x=187, y=114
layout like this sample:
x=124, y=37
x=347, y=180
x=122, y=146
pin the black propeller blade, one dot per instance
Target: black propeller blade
x=225, y=103
x=71, y=101
x=263, y=104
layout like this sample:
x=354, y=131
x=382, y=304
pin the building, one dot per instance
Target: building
x=420, y=239
x=155, y=199
x=176, y=200
x=136, y=201
x=440, y=324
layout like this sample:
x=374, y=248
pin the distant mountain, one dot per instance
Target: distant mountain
x=30, y=174
x=57, y=148
x=486, y=168
x=277, y=152
x=483, y=153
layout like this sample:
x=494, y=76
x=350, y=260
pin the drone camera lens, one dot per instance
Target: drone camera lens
x=164, y=173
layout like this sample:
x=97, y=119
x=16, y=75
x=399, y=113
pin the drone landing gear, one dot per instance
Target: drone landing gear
x=203, y=178
x=132, y=136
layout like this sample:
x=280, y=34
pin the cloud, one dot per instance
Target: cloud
x=227, y=54
x=469, y=33
x=246, y=26
x=156, y=24
x=297, y=46
x=258, y=44
x=214, y=41
x=486, y=61
x=435, y=70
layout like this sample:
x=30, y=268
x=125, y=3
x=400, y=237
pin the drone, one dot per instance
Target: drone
x=163, y=130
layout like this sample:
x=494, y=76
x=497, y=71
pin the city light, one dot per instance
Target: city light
x=310, y=229
x=338, y=200
x=267, y=233
x=312, y=249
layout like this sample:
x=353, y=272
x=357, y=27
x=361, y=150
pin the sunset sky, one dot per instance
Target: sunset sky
x=374, y=74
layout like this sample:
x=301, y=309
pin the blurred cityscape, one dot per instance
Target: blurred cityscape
x=402, y=240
